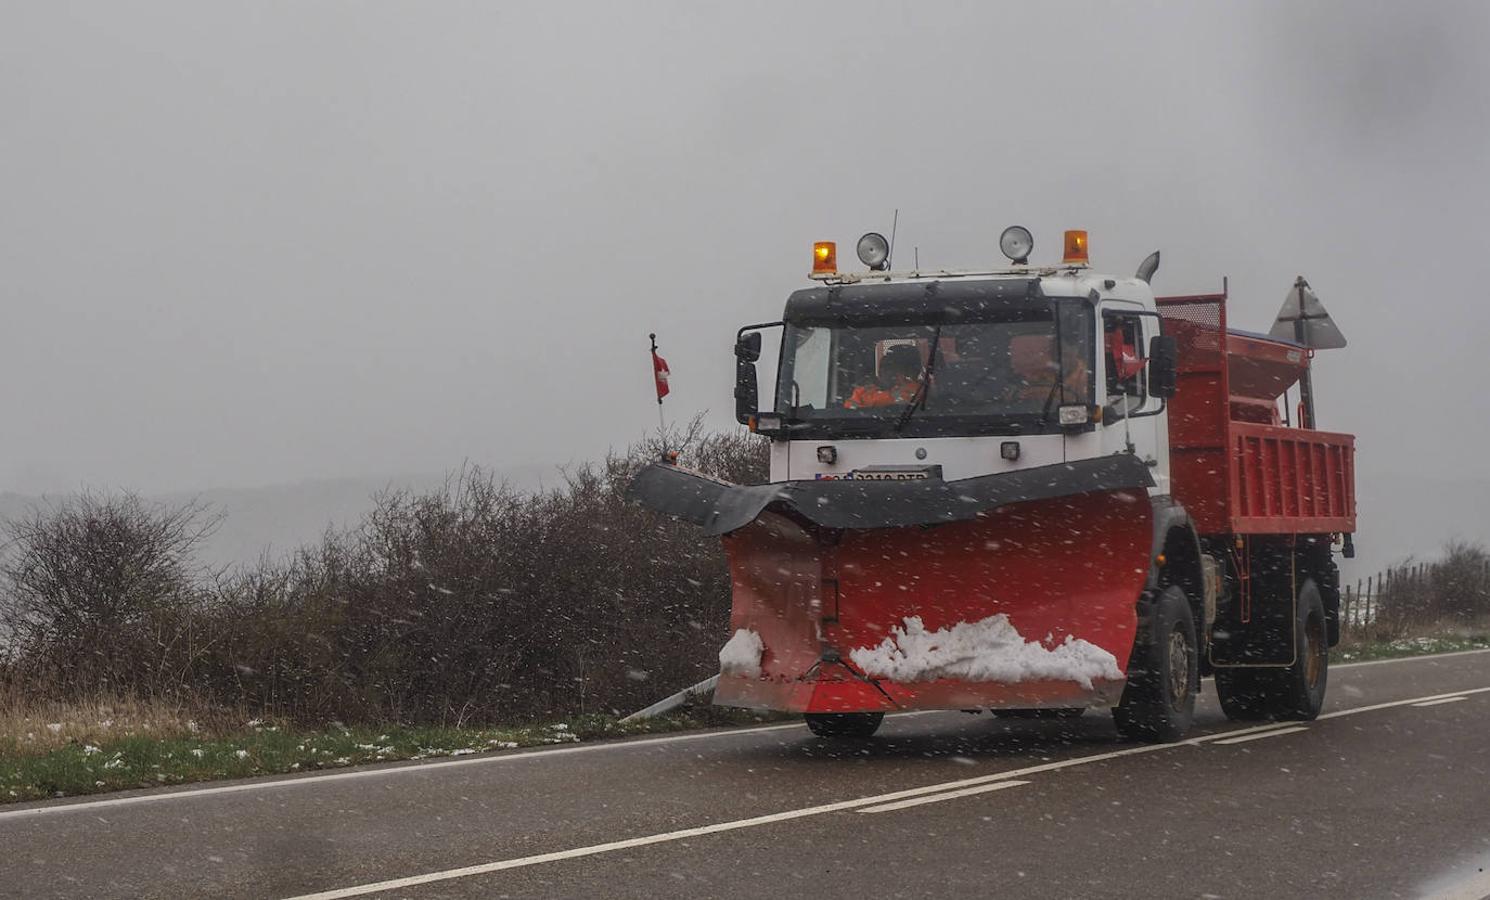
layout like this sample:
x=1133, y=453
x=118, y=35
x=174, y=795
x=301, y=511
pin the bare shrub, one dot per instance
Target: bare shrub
x=100, y=590
x=1460, y=582
x=473, y=602
x=276, y=635
x=1452, y=590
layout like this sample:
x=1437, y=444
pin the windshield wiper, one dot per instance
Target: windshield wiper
x=1060, y=371
x=924, y=387
x=1055, y=391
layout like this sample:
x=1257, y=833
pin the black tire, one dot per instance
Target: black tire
x=1247, y=694
x=1158, y=703
x=1058, y=712
x=833, y=725
x=1299, y=689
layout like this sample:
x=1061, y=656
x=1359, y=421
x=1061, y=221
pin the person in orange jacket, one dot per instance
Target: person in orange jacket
x=896, y=384
x=1039, y=386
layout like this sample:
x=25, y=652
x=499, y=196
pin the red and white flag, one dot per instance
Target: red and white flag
x=659, y=373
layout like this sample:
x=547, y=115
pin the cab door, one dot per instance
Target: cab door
x=1130, y=417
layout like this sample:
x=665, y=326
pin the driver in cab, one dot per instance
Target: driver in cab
x=1043, y=376
x=896, y=384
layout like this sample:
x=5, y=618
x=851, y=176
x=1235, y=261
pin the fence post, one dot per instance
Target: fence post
x=1370, y=591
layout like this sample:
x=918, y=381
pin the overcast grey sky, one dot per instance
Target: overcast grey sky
x=260, y=242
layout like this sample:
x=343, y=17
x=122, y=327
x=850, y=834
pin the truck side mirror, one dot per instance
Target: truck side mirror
x=748, y=347
x=1163, y=366
x=747, y=393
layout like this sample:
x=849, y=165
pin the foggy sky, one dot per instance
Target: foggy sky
x=255, y=243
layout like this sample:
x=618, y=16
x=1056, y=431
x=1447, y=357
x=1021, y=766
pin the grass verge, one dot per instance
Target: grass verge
x=1364, y=651
x=42, y=769
x=70, y=750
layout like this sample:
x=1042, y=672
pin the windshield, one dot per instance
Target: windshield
x=1009, y=373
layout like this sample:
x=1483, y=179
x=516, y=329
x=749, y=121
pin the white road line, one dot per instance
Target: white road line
x=413, y=769
x=596, y=849
x=1422, y=657
x=1402, y=659
x=535, y=754
x=501, y=865
x=1415, y=700
x=937, y=798
x=1444, y=700
x=1264, y=734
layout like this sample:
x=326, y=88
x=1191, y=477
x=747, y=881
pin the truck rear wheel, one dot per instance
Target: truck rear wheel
x=1292, y=692
x=1158, y=703
x=844, y=724
x=1246, y=693
x=1300, y=687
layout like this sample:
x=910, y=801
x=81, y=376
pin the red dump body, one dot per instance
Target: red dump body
x=1233, y=465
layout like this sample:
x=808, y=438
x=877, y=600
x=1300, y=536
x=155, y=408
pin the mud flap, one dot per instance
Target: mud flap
x=1255, y=627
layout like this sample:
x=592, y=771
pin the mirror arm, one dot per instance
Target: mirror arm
x=747, y=387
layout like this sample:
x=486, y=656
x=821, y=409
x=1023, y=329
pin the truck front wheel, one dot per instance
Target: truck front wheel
x=1158, y=703
x=844, y=724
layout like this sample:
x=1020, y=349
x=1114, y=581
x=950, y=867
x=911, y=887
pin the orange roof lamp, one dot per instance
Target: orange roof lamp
x=1075, y=248
x=824, y=257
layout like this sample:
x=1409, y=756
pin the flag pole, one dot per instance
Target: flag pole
x=661, y=423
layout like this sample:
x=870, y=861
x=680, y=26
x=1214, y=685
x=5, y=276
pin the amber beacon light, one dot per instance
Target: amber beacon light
x=824, y=257
x=1075, y=248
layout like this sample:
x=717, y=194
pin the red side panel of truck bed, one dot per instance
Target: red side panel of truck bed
x=1248, y=477
x=1291, y=480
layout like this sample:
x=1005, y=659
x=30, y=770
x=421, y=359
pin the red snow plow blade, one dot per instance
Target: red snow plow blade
x=831, y=608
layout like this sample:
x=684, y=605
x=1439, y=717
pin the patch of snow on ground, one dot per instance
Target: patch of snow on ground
x=990, y=649
x=741, y=655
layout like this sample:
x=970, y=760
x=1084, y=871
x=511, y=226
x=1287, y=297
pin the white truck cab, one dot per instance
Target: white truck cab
x=957, y=374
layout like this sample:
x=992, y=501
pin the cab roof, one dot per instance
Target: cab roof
x=884, y=298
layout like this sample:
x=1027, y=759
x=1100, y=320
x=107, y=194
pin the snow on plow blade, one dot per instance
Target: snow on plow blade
x=1011, y=590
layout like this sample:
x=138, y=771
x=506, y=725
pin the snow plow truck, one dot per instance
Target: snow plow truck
x=1032, y=489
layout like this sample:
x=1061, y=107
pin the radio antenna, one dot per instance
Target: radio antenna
x=890, y=253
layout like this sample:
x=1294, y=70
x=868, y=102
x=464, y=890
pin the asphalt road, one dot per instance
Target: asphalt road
x=1386, y=795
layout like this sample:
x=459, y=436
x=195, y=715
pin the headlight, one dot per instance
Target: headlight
x=874, y=251
x=767, y=423
x=1074, y=415
x=1017, y=242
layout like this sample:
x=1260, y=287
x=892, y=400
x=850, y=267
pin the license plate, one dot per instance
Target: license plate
x=908, y=474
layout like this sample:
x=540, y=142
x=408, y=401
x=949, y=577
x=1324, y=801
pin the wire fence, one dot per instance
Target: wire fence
x=1399, y=598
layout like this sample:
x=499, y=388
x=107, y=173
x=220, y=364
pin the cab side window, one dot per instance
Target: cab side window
x=1127, y=377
